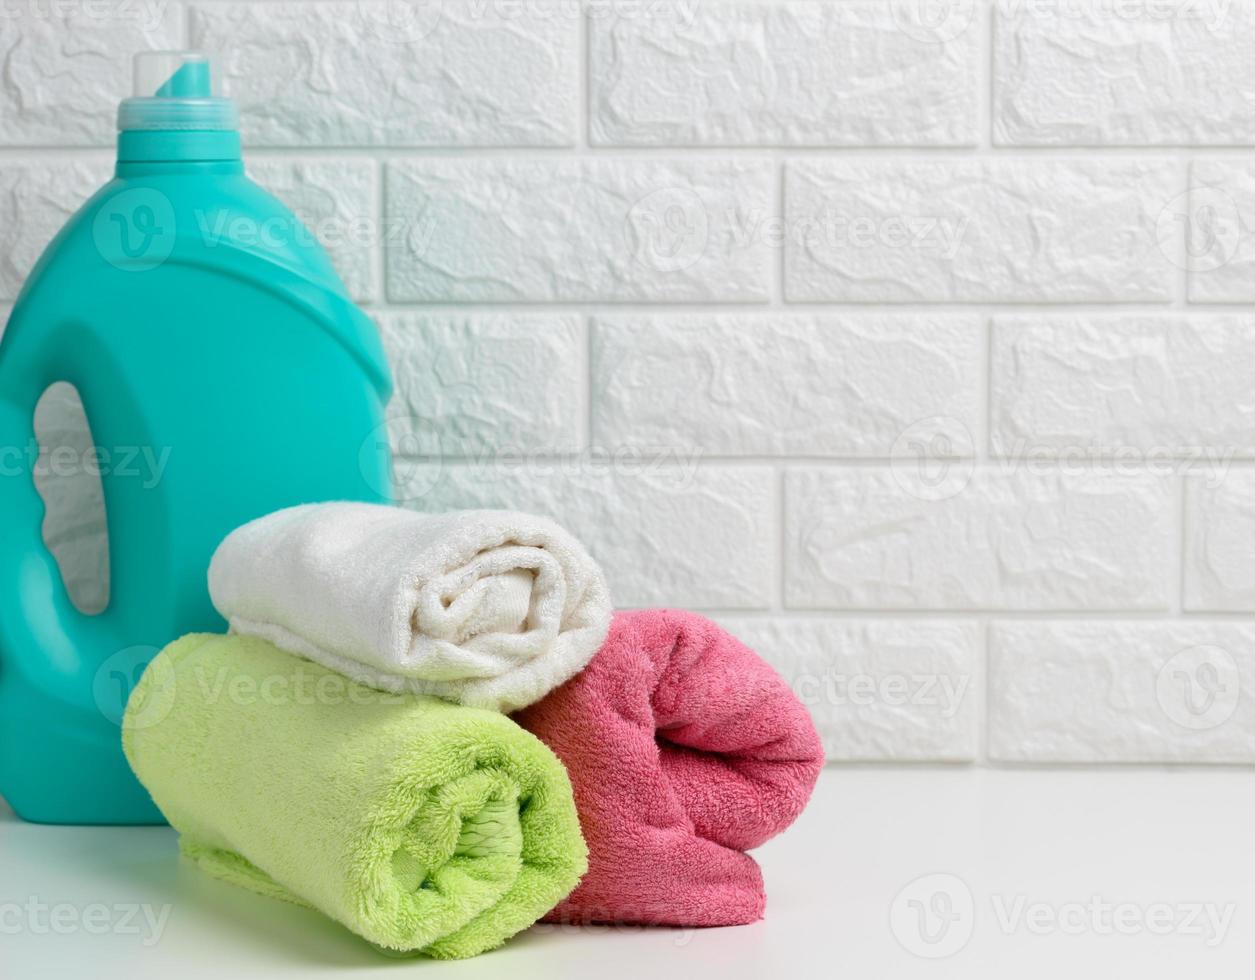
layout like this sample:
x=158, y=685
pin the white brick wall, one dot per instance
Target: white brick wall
x=914, y=342
x=967, y=230
x=801, y=74
x=601, y=229
x=355, y=74
x=870, y=539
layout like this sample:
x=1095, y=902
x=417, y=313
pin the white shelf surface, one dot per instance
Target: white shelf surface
x=1135, y=872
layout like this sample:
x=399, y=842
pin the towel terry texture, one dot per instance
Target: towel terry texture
x=684, y=749
x=492, y=609
x=421, y=825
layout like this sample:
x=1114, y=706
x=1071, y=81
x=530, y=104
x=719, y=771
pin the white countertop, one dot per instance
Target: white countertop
x=1110, y=873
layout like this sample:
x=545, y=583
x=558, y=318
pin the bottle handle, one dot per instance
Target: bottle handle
x=37, y=618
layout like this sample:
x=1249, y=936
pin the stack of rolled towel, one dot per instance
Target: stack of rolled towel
x=348, y=747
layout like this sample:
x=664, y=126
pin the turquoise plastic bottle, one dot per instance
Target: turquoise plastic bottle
x=204, y=328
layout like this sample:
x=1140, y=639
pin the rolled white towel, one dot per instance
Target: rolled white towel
x=489, y=608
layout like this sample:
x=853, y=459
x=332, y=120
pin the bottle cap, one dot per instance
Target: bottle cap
x=176, y=90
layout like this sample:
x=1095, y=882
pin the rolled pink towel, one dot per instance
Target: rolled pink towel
x=684, y=749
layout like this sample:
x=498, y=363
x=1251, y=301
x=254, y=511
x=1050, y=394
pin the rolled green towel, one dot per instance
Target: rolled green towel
x=421, y=825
